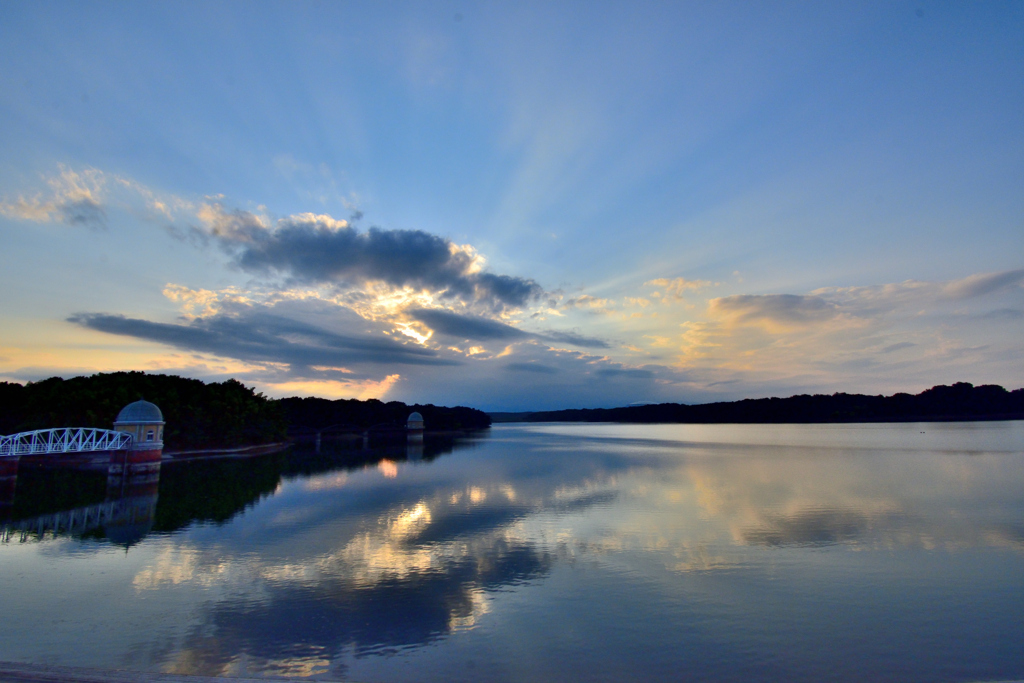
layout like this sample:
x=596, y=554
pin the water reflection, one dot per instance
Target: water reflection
x=604, y=558
x=376, y=561
x=307, y=613
x=879, y=499
x=48, y=499
x=217, y=490
x=55, y=502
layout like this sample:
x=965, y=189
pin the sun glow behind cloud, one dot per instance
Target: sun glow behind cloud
x=760, y=337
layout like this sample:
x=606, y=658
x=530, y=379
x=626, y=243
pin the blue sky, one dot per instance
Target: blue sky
x=515, y=205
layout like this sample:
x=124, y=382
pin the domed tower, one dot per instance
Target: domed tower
x=144, y=421
x=414, y=427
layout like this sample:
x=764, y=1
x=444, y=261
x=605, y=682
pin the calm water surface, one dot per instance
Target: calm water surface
x=546, y=552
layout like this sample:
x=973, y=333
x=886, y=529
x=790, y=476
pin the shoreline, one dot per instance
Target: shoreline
x=505, y=418
x=20, y=672
x=238, y=452
x=278, y=446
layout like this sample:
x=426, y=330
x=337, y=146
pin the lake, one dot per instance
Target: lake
x=541, y=552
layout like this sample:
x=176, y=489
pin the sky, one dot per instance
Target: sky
x=515, y=206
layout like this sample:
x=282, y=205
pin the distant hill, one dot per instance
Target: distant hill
x=961, y=401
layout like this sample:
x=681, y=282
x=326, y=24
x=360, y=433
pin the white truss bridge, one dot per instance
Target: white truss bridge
x=64, y=440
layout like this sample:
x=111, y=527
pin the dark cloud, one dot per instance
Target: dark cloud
x=512, y=290
x=485, y=329
x=257, y=336
x=84, y=211
x=465, y=326
x=532, y=367
x=636, y=373
x=575, y=340
x=898, y=347
x=191, y=235
x=319, y=249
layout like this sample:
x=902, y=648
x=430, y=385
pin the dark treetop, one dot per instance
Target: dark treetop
x=962, y=401
x=318, y=413
x=198, y=415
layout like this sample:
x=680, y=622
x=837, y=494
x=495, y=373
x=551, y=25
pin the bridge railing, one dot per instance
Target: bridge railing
x=64, y=440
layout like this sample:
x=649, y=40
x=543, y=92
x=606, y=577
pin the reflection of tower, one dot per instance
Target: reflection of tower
x=414, y=428
x=134, y=496
x=144, y=421
x=8, y=482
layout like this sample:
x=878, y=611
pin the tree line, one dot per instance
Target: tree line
x=961, y=401
x=318, y=413
x=200, y=414
x=229, y=414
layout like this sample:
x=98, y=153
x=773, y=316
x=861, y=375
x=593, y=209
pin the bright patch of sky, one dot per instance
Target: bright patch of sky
x=515, y=205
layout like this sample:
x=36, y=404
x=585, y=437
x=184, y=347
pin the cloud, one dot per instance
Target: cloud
x=74, y=199
x=305, y=248
x=674, y=288
x=294, y=343
x=485, y=329
x=587, y=301
x=256, y=335
x=773, y=309
x=983, y=283
x=312, y=248
x=879, y=337
x=877, y=299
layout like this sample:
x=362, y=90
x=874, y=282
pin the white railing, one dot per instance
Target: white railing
x=64, y=440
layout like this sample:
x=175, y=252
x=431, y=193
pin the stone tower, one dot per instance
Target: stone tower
x=144, y=421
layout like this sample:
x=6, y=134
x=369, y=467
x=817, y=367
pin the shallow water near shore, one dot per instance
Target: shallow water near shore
x=535, y=552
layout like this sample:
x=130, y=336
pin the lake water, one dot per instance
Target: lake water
x=546, y=552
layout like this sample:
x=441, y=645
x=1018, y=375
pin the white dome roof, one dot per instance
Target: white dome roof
x=140, y=411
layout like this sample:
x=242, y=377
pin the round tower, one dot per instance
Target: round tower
x=414, y=427
x=144, y=421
